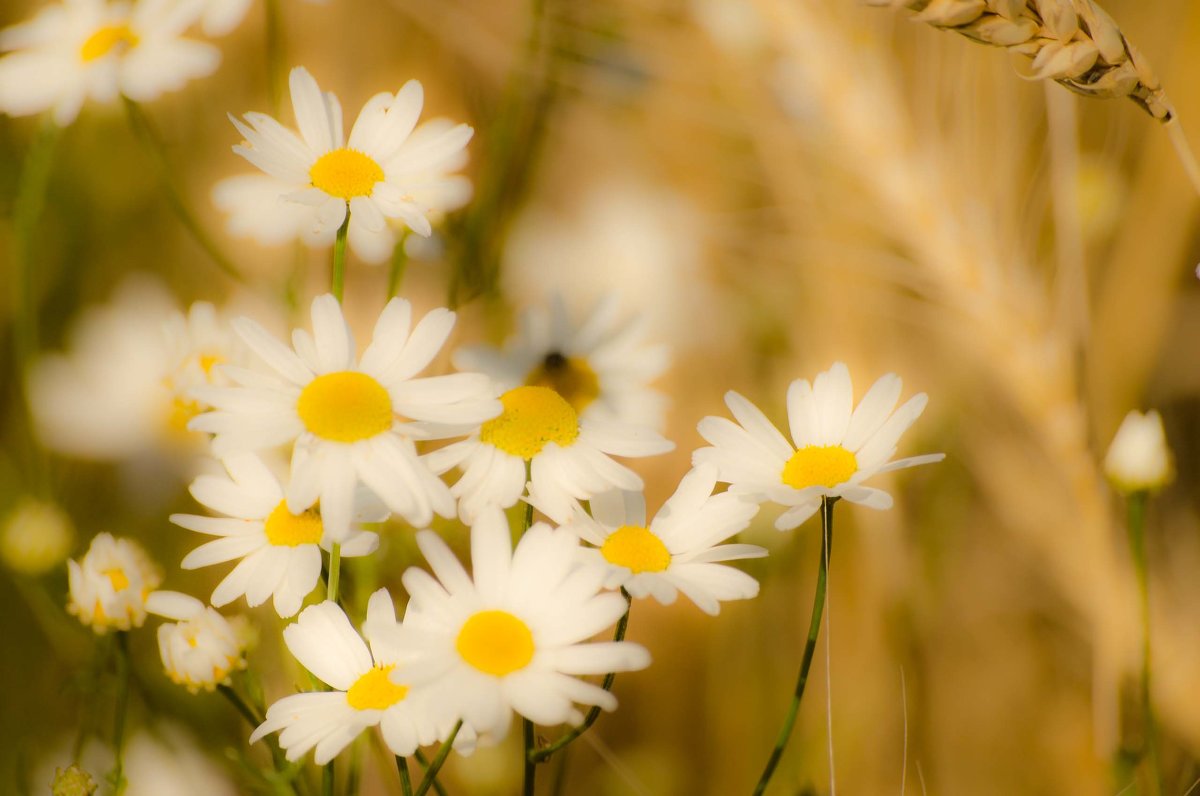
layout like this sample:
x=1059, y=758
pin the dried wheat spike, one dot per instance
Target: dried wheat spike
x=1074, y=42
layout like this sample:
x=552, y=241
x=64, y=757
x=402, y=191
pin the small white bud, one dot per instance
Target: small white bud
x=1138, y=459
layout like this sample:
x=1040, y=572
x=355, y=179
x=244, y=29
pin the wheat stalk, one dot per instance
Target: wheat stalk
x=1073, y=42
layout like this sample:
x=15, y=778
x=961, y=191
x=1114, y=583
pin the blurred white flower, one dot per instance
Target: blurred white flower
x=679, y=550
x=110, y=584
x=201, y=648
x=837, y=446
x=598, y=362
x=1138, y=459
x=92, y=49
x=35, y=537
x=388, y=169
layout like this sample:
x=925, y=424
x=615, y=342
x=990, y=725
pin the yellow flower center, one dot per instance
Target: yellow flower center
x=637, y=548
x=105, y=40
x=345, y=407
x=819, y=465
x=532, y=417
x=285, y=529
x=570, y=377
x=345, y=173
x=208, y=362
x=495, y=642
x=180, y=414
x=375, y=690
x=117, y=577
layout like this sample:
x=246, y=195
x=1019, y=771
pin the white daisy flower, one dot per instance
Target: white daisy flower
x=835, y=446
x=353, y=420
x=201, y=648
x=93, y=49
x=280, y=551
x=568, y=457
x=679, y=550
x=599, y=363
x=110, y=584
x=365, y=691
x=385, y=170
x=511, y=636
x=1138, y=460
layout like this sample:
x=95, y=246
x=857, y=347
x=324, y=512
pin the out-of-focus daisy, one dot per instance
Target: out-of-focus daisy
x=93, y=49
x=280, y=551
x=510, y=637
x=365, y=692
x=679, y=550
x=352, y=419
x=387, y=169
x=35, y=537
x=568, y=457
x=835, y=446
x=201, y=648
x=110, y=584
x=124, y=387
x=1138, y=460
x=599, y=363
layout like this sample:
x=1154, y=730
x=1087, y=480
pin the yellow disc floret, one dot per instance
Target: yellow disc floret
x=636, y=548
x=819, y=465
x=285, y=529
x=345, y=173
x=105, y=40
x=375, y=690
x=346, y=406
x=570, y=377
x=532, y=417
x=495, y=642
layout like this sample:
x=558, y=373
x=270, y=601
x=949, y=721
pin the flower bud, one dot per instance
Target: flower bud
x=110, y=584
x=1138, y=459
x=202, y=648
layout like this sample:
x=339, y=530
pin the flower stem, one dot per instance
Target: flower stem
x=530, y=765
x=118, y=772
x=405, y=780
x=437, y=786
x=240, y=705
x=327, y=777
x=431, y=773
x=1136, y=507
x=144, y=130
x=398, y=266
x=543, y=754
x=252, y=718
x=339, y=259
x=275, y=55
x=335, y=570
x=810, y=646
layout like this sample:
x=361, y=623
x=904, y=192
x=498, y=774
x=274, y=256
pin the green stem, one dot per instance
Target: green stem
x=143, y=128
x=1137, y=545
x=437, y=786
x=810, y=646
x=438, y=760
x=398, y=266
x=118, y=772
x=339, y=259
x=252, y=717
x=405, y=780
x=530, y=765
x=327, y=777
x=335, y=570
x=543, y=754
x=275, y=55
x=240, y=705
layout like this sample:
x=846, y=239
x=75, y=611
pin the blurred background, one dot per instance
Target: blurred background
x=775, y=185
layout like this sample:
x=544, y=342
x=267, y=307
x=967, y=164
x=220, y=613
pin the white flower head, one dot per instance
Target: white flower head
x=110, y=584
x=93, y=49
x=834, y=448
x=388, y=169
x=365, y=691
x=352, y=419
x=1138, y=459
x=35, y=537
x=568, y=457
x=679, y=550
x=280, y=551
x=511, y=636
x=599, y=363
x=201, y=648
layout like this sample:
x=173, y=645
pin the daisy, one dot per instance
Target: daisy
x=835, y=446
x=365, y=691
x=280, y=551
x=511, y=636
x=110, y=584
x=383, y=171
x=93, y=49
x=201, y=648
x=568, y=458
x=352, y=420
x=599, y=363
x=679, y=550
